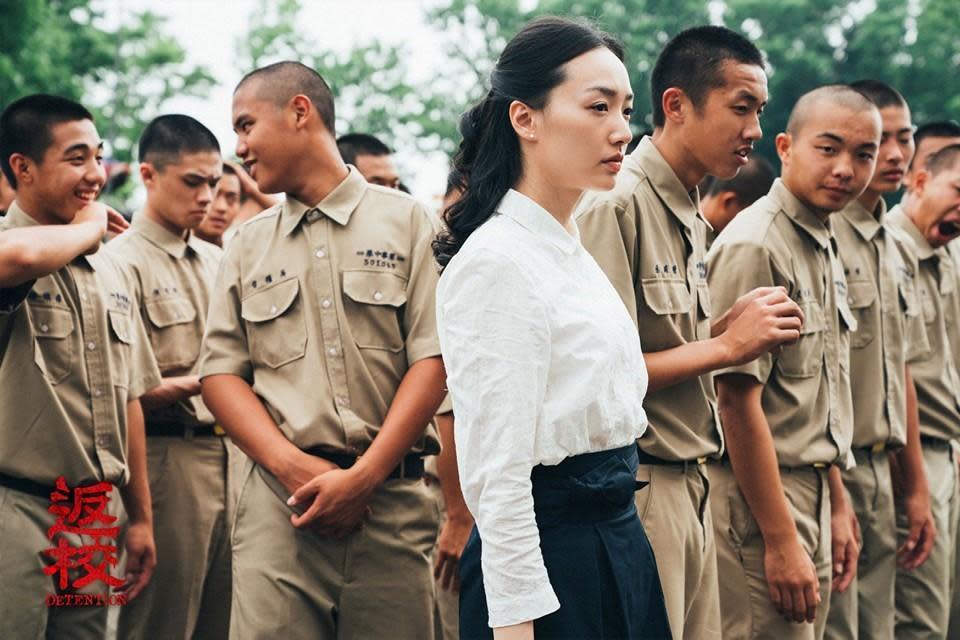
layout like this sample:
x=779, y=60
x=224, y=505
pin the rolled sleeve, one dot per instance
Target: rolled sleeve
x=225, y=349
x=734, y=269
x=496, y=344
x=420, y=317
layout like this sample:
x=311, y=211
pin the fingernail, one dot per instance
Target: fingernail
x=291, y=501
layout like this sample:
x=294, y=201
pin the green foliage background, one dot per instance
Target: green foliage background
x=128, y=73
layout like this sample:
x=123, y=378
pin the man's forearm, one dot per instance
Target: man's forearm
x=448, y=472
x=29, y=253
x=242, y=415
x=416, y=401
x=753, y=456
x=171, y=391
x=673, y=366
x=136, y=493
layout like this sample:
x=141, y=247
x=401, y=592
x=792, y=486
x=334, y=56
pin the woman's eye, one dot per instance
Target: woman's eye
x=599, y=107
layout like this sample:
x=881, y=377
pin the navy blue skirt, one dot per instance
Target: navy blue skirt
x=596, y=553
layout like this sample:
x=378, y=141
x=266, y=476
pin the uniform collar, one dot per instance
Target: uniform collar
x=867, y=223
x=898, y=218
x=338, y=205
x=799, y=214
x=646, y=160
x=163, y=238
x=17, y=217
x=535, y=218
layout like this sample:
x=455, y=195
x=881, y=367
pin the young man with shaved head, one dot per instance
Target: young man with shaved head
x=75, y=362
x=929, y=138
x=321, y=361
x=927, y=222
x=186, y=453
x=721, y=199
x=372, y=158
x=880, y=272
x=649, y=237
x=779, y=505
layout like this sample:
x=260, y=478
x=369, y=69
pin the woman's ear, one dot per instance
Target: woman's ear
x=524, y=121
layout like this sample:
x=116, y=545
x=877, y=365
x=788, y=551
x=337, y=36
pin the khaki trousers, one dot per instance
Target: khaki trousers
x=923, y=596
x=745, y=602
x=866, y=609
x=675, y=511
x=447, y=604
x=189, y=595
x=295, y=584
x=24, y=588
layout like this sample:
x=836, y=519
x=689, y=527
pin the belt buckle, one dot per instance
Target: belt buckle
x=878, y=447
x=218, y=430
x=819, y=465
x=702, y=460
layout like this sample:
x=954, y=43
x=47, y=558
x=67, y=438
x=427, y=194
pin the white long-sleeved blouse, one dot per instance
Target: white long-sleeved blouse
x=543, y=362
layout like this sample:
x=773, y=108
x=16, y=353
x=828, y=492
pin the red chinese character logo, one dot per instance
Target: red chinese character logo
x=81, y=511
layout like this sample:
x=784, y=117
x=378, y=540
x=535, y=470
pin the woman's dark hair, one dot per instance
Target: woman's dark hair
x=488, y=164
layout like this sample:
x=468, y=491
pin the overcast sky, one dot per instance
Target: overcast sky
x=209, y=29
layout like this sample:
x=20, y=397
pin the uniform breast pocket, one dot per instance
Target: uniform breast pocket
x=121, y=339
x=804, y=359
x=862, y=299
x=667, y=297
x=373, y=302
x=174, y=332
x=276, y=328
x=54, y=344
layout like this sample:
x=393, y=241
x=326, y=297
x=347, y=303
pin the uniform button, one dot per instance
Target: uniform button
x=321, y=253
x=273, y=309
x=44, y=328
x=378, y=296
x=325, y=303
x=342, y=401
x=83, y=297
x=103, y=441
x=97, y=393
x=91, y=345
x=332, y=351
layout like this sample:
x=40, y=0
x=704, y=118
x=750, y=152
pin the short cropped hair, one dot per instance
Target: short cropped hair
x=946, y=158
x=750, y=184
x=880, y=93
x=938, y=129
x=352, y=145
x=169, y=137
x=833, y=95
x=693, y=61
x=281, y=81
x=26, y=127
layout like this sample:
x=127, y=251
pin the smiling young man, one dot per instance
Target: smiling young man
x=321, y=361
x=649, y=237
x=880, y=272
x=927, y=222
x=186, y=454
x=75, y=363
x=787, y=416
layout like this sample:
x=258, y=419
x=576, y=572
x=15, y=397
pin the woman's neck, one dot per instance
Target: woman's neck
x=559, y=202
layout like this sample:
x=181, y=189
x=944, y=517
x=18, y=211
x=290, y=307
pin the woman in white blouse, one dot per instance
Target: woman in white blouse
x=543, y=361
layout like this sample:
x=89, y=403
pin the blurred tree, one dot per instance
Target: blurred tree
x=124, y=75
x=370, y=82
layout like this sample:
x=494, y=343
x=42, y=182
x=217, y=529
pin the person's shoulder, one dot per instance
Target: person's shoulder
x=752, y=226
x=631, y=187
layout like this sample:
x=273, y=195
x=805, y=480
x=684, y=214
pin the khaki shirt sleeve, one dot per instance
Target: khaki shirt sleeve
x=609, y=233
x=420, y=311
x=224, y=349
x=733, y=270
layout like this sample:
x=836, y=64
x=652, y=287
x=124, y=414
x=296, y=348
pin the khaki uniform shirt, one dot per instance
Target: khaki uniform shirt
x=73, y=352
x=935, y=376
x=881, y=292
x=173, y=278
x=777, y=241
x=323, y=309
x=648, y=236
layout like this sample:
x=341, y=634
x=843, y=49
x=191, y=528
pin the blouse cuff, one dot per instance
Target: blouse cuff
x=530, y=606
